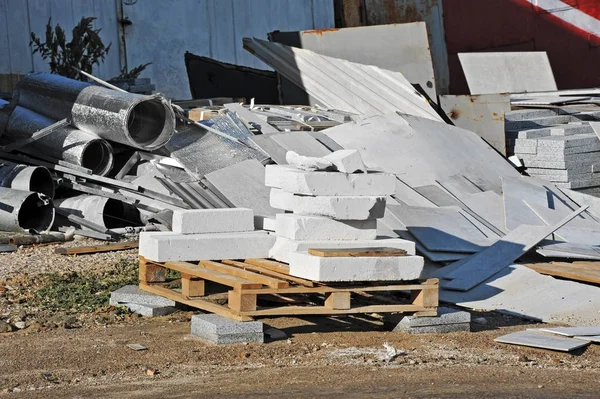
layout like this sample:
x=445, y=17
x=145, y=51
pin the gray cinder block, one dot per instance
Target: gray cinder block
x=447, y=320
x=221, y=330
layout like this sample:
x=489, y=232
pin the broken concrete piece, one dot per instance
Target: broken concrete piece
x=307, y=163
x=317, y=228
x=340, y=208
x=393, y=268
x=133, y=294
x=283, y=246
x=297, y=181
x=202, y=221
x=221, y=330
x=168, y=246
x=347, y=161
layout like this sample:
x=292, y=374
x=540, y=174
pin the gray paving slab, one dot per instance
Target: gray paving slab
x=243, y=184
x=592, y=338
x=445, y=316
x=219, y=329
x=572, y=331
x=502, y=253
x=541, y=340
x=489, y=205
x=441, y=229
x=437, y=329
x=150, y=310
x=133, y=294
x=568, y=250
x=410, y=196
x=302, y=143
x=270, y=147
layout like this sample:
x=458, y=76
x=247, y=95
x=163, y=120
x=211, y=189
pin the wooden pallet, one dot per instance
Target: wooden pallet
x=252, y=279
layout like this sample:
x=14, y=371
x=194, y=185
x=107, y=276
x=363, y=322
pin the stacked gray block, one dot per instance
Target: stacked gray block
x=142, y=302
x=448, y=320
x=221, y=330
x=557, y=145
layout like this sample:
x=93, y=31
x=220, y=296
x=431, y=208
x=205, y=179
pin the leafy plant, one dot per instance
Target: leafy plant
x=83, y=51
x=131, y=74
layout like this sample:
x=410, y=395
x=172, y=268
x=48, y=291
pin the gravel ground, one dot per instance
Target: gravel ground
x=41, y=259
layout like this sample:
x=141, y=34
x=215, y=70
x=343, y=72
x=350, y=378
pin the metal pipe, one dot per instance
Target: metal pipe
x=66, y=143
x=105, y=212
x=144, y=122
x=25, y=211
x=26, y=178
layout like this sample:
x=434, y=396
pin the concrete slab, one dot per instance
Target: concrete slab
x=201, y=221
x=573, y=331
x=221, y=330
x=355, y=269
x=149, y=310
x=301, y=143
x=541, y=340
x=347, y=161
x=445, y=316
x=283, y=247
x=340, y=208
x=317, y=228
x=168, y=246
x=296, y=181
x=592, y=338
x=269, y=224
x=133, y=294
x=438, y=329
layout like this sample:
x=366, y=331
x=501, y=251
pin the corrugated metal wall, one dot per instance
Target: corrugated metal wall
x=161, y=31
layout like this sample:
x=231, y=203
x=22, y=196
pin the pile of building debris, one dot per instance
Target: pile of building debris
x=124, y=162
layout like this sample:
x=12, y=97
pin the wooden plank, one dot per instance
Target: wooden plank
x=241, y=302
x=234, y=271
x=356, y=252
x=577, y=265
x=257, y=269
x=191, y=286
x=213, y=275
x=568, y=272
x=196, y=303
x=96, y=248
x=595, y=265
x=270, y=265
x=321, y=310
x=325, y=289
x=338, y=300
x=151, y=273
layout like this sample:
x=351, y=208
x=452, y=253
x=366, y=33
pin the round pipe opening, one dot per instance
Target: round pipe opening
x=150, y=125
x=97, y=156
x=41, y=181
x=118, y=214
x=36, y=213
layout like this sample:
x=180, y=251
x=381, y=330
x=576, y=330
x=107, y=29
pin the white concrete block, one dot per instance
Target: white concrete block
x=269, y=224
x=168, y=246
x=307, y=163
x=283, y=246
x=297, y=181
x=317, y=228
x=200, y=221
x=347, y=161
x=340, y=208
x=383, y=268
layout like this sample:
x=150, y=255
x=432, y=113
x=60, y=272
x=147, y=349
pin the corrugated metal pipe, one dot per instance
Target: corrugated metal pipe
x=26, y=178
x=105, y=212
x=72, y=145
x=25, y=211
x=144, y=122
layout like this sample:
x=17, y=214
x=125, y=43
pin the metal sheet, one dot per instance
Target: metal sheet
x=341, y=84
x=482, y=114
x=397, y=47
x=518, y=72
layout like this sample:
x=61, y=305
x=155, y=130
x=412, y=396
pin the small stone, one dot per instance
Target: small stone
x=151, y=371
x=480, y=320
x=275, y=334
x=20, y=325
x=137, y=347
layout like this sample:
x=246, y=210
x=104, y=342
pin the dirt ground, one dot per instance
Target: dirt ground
x=63, y=340
x=322, y=357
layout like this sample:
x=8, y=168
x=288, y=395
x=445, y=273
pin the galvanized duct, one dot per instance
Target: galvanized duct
x=145, y=122
x=25, y=211
x=26, y=178
x=66, y=143
x=105, y=212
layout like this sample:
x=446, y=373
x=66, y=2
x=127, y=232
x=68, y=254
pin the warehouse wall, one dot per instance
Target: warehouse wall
x=161, y=31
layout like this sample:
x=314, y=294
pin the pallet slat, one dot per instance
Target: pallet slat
x=96, y=249
x=356, y=252
x=213, y=275
x=257, y=269
x=245, y=274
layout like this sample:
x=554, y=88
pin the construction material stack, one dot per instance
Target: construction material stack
x=333, y=203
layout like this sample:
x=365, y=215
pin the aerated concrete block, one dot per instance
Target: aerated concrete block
x=133, y=294
x=347, y=161
x=340, y=208
x=318, y=228
x=269, y=224
x=283, y=246
x=202, y=221
x=168, y=246
x=221, y=330
x=385, y=268
x=296, y=181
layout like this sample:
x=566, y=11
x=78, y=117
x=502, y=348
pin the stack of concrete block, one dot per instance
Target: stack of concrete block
x=207, y=234
x=332, y=209
x=557, y=145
